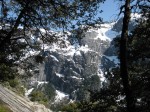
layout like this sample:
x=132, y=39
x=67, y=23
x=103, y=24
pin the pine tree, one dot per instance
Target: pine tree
x=139, y=62
x=18, y=17
x=123, y=58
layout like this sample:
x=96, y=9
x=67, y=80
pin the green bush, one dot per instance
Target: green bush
x=13, y=83
x=20, y=90
x=7, y=73
x=58, y=106
x=43, y=94
x=72, y=107
x=38, y=96
x=49, y=91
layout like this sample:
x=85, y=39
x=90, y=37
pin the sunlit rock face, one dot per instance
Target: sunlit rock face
x=76, y=63
x=81, y=61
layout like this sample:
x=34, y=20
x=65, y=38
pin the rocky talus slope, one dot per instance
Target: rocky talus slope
x=18, y=103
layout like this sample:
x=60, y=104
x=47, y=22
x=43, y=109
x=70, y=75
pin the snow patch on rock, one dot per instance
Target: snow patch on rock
x=28, y=92
x=60, y=96
x=59, y=75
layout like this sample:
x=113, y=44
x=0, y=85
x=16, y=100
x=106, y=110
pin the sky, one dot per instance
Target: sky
x=110, y=10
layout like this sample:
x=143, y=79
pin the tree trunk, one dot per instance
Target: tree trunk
x=123, y=59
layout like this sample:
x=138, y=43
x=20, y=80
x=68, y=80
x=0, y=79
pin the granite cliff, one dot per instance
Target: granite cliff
x=76, y=63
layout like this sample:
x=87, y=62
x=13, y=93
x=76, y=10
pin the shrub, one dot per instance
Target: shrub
x=37, y=95
x=72, y=107
x=13, y=82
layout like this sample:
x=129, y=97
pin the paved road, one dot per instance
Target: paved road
x=18, y=103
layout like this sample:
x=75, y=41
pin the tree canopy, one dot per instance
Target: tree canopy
x=46, y=14
x=20, y=17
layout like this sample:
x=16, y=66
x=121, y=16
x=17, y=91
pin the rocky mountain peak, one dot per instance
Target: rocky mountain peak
x=74, y=65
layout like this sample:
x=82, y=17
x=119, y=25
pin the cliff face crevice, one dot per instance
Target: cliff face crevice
x=76, y=61
x=70, y=68
x=73, y=65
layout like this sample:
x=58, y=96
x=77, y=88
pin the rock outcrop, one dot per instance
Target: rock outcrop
x=20, y=104
x=72, y=68
x=74, y=62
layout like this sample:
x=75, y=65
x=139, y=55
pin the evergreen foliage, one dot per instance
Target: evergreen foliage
x=139, y=65
x=111, y=98
x=53, y=14
x=20, y=18
x=43, y=94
